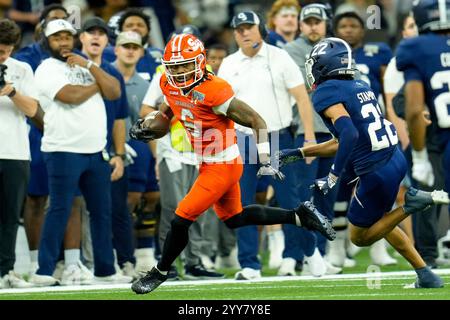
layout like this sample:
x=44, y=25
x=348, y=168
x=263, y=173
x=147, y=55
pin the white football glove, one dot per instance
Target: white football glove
x=422, y=171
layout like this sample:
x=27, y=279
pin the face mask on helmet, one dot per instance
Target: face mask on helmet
x=184, y=61
x=309, y=75
x=330, y=58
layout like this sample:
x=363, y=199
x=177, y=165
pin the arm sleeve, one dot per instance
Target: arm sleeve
x=348, y=137
x=49, y=86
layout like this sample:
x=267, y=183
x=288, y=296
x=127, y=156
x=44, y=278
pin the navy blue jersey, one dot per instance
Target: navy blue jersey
x=427, y=58
x=369, y=59
x=275, y=39
x=377, y=136
x=33, y=54
x=146, y=66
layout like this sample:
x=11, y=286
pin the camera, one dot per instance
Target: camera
x=2, y=75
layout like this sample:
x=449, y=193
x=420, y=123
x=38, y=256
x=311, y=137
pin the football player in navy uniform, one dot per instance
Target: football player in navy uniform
x=135, y=20
x=425, y=61
x=371, y=61
x=366, y=143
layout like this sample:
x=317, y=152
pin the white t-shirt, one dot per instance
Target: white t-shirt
x=69, y=128
x=14, y=143
x=173, y=158
x=393, y=79
x=263, y=81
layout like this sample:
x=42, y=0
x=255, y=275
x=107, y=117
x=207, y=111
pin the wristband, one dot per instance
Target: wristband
x=420, y=155
x=90, y=64
x=12, y=93
x=263, y=148
x=121, y=155
x=307, y=141
x=302, y=152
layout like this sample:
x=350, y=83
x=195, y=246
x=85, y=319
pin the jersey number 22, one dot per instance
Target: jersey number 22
x=385, y=140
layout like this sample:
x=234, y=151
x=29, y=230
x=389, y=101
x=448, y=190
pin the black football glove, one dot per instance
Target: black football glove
x=139, y=133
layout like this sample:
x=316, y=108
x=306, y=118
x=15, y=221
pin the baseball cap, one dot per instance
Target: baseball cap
x=95, y=22
x=126, y=37
x=59, y=25
x=313, y=11
x=248, y=17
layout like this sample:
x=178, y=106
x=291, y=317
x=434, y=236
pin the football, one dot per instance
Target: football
x=157, y=123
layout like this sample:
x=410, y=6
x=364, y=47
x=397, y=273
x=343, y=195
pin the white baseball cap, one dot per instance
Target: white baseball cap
x=59, y=25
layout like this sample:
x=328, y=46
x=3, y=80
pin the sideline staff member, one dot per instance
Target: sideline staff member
x=17, y=100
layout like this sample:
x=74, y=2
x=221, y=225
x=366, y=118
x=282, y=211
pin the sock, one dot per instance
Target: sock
x=422, y=271
x=176, y=240
x=71, y=256
x=162, y=272
x=256, y=214
x=34, y=255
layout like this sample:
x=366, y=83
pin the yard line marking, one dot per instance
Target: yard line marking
x=326, y=278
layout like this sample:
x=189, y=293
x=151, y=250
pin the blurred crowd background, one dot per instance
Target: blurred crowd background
x=212, y=17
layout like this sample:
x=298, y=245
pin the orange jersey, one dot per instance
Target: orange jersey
x=210, y=133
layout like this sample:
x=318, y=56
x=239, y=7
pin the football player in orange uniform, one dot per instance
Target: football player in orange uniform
x=207, y=108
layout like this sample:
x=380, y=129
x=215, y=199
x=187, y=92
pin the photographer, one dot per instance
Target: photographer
x=17, y=100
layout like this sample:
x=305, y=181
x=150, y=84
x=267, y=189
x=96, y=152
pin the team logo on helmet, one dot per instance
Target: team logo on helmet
x=188, y=51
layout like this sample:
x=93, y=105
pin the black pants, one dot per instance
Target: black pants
x=14, y=175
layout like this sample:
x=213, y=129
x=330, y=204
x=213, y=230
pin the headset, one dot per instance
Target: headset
x=263, y=31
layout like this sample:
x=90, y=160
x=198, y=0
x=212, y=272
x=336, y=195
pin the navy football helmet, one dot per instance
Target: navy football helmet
x=432, y=15
x=329, y=58
x=113, y=24
x=189, y=29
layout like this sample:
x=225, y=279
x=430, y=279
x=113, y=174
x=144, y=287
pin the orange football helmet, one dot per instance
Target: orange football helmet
x=183, y=49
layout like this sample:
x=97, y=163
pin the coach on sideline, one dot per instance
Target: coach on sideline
x=17, y=100
x=265, y=77
x=70, y=91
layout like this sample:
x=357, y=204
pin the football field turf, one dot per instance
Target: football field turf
x=358, y=283
x=387, y=286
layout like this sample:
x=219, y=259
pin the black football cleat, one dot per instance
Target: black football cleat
x=312, y=219
x=149, y=282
